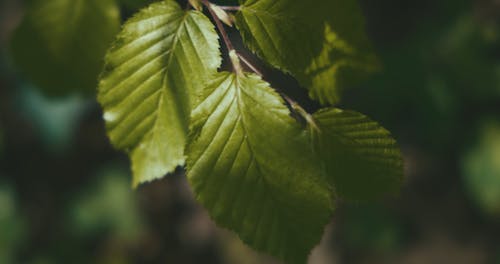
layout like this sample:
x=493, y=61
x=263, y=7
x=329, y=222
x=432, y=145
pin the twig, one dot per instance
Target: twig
x=232, y=52
x=230, y=8
x=235, y=58
x=294, y=106
x=300, y=111
x=219, y=25
x=250, y=65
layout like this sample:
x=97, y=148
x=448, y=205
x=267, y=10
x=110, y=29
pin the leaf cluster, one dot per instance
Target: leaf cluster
x=258, y=170
x=261, y=165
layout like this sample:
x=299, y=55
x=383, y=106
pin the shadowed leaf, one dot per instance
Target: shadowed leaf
x=60, y=44
x=362, y=160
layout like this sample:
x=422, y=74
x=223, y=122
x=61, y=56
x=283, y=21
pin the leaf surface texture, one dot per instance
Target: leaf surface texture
x=321, y=43
x=162, y=56
x=362, y=160
x=251, y=165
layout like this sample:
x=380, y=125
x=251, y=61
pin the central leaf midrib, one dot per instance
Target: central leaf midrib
x=250, y=146
x=164, y=79
x=243, y=125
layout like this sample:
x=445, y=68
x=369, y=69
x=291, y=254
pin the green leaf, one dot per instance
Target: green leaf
x=362, y=160
x=196, y=4
x=321, y=43
x=60, y=43
x=161, y=56
x=346, y=57
x=284, y=33
x=251, y=165
x=481, y=168
x=222, y=15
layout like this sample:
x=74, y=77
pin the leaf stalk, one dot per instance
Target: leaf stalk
x=235, y=58
x=225, y=36
x=230, y=8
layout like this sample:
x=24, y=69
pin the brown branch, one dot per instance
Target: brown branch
x=250, y=65
x=235, y=57
x=219, y=25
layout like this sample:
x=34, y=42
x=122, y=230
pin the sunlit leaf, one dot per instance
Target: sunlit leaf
x=286, y=33
x=162, y=54
x=250, y=164
x=321, y=43
x=196, y=4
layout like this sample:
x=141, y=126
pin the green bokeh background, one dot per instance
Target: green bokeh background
x=65, y=194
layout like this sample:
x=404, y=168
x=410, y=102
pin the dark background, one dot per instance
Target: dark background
x=65, y=194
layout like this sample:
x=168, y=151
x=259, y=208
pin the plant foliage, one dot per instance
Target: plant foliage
x=162, y=55
x=71, y=39
x=261, y=165
x=258, y=170
x=251, y=166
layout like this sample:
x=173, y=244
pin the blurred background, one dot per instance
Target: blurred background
x=65, y=194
